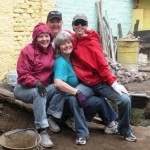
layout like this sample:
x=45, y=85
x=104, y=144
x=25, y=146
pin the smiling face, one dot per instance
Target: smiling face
x=43, y=40
x=79, y=27
x=55, y=25
x=66, y=48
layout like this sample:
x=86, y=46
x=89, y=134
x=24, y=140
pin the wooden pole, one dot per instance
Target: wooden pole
x=101, y=26
x=136, y=25
x=119, y=30
x=8, y=96
x=111, y=41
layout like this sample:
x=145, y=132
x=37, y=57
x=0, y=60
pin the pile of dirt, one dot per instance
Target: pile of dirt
x=12, y=117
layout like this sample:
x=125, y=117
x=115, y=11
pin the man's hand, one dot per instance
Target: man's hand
x=119, y=88
x=81, y=98
x=41, y=89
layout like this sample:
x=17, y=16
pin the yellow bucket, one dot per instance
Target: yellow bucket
x=128, y=54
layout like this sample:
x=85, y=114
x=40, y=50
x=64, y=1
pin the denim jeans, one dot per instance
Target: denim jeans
x=30, y=95
x=96, y=105
x=79, y=118
x=124, y=106
x=55, y=102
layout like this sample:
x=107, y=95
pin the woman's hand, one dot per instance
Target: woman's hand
x=81, y=98
x=119, y=88
x=41, y=89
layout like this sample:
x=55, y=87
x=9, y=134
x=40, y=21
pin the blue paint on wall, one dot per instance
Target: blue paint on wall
x=115, y=11
x=70, y=8
x=119, y=11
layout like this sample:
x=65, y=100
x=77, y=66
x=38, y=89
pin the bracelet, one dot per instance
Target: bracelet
x=76, y=92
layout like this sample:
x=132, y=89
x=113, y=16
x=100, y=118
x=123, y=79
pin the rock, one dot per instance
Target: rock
x=147, y=111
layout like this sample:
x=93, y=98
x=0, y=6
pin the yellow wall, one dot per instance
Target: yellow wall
x=147, y=19
x=17, y=19
x=138, y=15
x=142, y=13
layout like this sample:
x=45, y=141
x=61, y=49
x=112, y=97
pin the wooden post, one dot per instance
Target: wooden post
x=136, y=25
x=8, y=96
x=101, y=26
x=119, y=30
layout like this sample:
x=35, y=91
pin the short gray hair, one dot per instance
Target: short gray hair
x=60, y=38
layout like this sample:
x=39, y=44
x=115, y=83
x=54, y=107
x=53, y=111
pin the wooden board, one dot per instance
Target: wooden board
x=8, y=96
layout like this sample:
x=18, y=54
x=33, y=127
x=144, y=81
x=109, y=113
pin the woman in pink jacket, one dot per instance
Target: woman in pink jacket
x=34, y=86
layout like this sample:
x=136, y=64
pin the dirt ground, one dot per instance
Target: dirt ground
x=12, y=117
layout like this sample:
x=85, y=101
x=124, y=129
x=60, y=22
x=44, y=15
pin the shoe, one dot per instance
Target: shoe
x=97, y=120
x=81, y=141
x=71, y=124
x=111, y=129
x=45, y=139
x=53, y=125
x=131, y=138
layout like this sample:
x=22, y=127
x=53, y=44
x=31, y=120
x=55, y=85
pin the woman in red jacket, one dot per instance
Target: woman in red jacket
x=34, y=69
x=92, y=69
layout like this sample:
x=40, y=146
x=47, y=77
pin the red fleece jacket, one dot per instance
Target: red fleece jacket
x=89, y=62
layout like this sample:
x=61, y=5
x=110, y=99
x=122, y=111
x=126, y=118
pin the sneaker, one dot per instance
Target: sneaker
x=53, y=125
x=45, y=139
x=131, y=138
x=97, y=120
x=71, y=124
x=111, y=129
x=81, y=141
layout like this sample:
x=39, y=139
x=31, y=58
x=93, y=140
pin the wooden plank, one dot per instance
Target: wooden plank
x=107, y=40
x=6, y=93
x=111, y=40
x=136, y=26
x=8, y=96
x=112, y=45
x=101, y=26
x=119, y=30
x=140, y=95
x=145, y=45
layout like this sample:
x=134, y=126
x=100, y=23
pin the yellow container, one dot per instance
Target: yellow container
x=128, y=54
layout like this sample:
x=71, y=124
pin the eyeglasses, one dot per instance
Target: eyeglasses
x=81, y=22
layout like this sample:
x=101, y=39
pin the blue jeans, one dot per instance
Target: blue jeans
x=78, y=114
x=30, y=95
x=124, y=106
x=55, y=102
x=96, y=105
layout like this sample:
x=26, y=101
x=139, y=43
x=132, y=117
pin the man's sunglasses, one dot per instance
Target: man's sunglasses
x=81, y=22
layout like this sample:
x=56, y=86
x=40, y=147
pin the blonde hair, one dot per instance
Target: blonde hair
x=60, y=38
